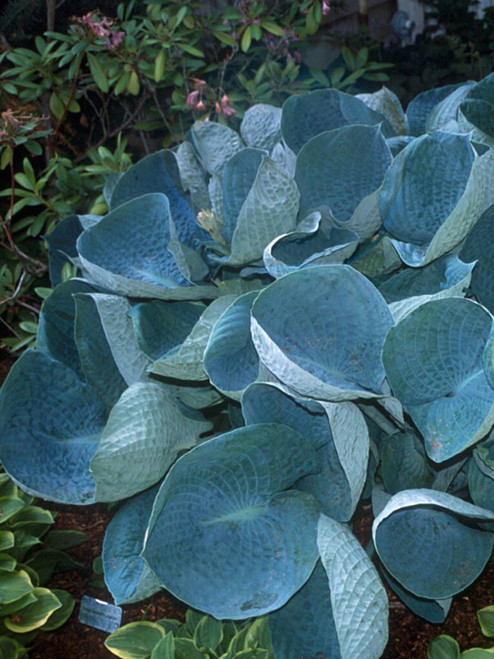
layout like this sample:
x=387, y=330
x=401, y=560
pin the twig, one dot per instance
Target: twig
x=16, y=292
x=10, y=328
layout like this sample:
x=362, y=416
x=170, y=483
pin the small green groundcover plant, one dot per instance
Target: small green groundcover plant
x=27, y=606
x=446, y=647
x=267, y=327
x=199, y=637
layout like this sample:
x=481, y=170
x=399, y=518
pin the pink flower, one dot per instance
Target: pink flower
x=200, y=106
x=229, y=112
x=326, y=7
x=225, y=101
x=116, y=39
x=217, y=107
x=193, y=99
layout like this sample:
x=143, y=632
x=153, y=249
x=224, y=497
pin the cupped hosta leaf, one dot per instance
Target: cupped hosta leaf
x=193, y=176
x=230, y=359
x=305, y=626
x=337, y=431
x=110, y=355
x=321, y=331
x=412, y=287
x=315, y=243
x=444, y=115
x=358, y=598
x=434, y=363
x=479, y=246
x=62, y=245
x=128, y=252
x=162, y=326
x=144, y=433
x=386, y=103
x=304, y=117
x=329, y=174
x=424, y=184
x=225, y=536
x=261, y=126
x=186, y=363
x=238, y=178
x=457, y=549
x=215, y=144
x=56, y=323
x=270, y=208
x=50, y=423
x=127, y=575
x=421, y=106
x=403, y=462
x=435, y=611
x=97, y=361
x=159, y=173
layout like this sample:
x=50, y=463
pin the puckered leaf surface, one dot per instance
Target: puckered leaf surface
x=127, y=575
x=225, y=535
x=434, y=363
x=321, y=331
x=430, y=542
x=50, y=425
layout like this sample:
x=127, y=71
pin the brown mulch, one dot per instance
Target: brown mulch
x=409, y=635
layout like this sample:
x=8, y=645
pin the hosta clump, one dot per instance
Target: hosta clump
x=268, y=327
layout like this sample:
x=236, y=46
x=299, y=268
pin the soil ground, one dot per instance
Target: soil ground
x=409, y=635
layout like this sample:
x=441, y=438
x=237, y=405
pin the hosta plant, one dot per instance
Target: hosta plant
x=267, y=327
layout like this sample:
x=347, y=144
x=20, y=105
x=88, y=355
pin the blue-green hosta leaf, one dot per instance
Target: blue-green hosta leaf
x=386, y=103
x=225, y=536
x=304, y=117
x=457, y=549
x=62, y=245
x=398, y=143
x=261, y=126
x=435, y=611
x=337, y=431
x=312, y=244
x=159, y=173
x=479, y=246
x=377, y=258
x=477, y=111
x=444, y=115
x=97, y=361
x=238, y=177
x=424, y=184
x=329, y=174
x=450, y=229
x=412, y=287
x=230, y=359
x=481, y=475
x=127, y=575
x=162, y=326
x=270, y=208
x=403, y=462
x=284, y=158
x=305, y=626
x=434, y=363
x=422, y=105
x=358, y=598
x=56, y=323
x=128, y=252
x=321, y=330
x=114, y=312
x=187, y=363
x=50, y=423
x=192, y=176
x=145, y=432
x=215, y=144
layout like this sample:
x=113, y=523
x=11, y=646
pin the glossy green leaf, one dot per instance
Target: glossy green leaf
x=321, y=331
x=227, y=494
x=135, y=640
x=127, y=575
x=60, y=616
x=434, y=363
x=457, y=547
x=34, y=615
x=14, y=586
x=443, y=647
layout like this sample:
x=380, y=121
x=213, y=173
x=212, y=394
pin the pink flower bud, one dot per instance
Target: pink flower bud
x=217, y=107
x=225, y=101
x=200, y=106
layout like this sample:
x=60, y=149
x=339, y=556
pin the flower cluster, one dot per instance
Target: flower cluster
x=102, y=27
x=203, y=99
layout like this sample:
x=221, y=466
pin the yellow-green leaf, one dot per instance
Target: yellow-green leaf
x=134, y=86
x=246, y=39
x=98, y=73
x=277, y=30
x=159, y=66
